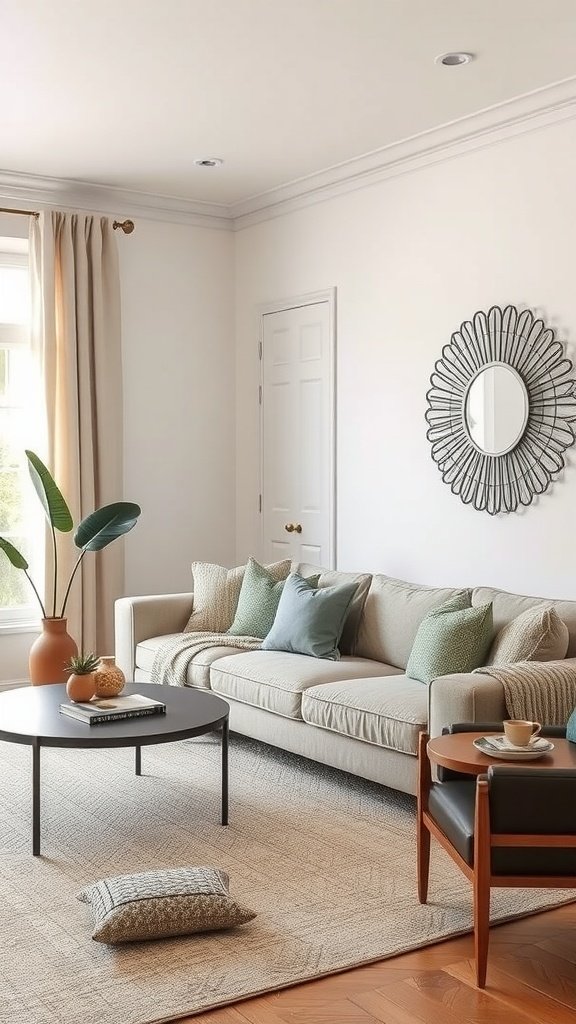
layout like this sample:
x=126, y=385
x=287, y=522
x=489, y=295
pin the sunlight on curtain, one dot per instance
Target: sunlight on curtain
x=76, y=334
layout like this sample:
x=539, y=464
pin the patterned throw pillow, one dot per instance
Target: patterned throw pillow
x=216, y=593
x=538, y=634
x=158, y=904
x=258, y=601
x=452, y=638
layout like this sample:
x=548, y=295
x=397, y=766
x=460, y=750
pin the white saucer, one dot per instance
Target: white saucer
x=535, y=750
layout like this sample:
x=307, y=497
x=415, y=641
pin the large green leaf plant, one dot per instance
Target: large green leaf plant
x=95, y=532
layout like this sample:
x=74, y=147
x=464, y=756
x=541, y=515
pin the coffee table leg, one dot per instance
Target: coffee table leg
x=36, y=798
x=138, y=760
x=225, y=773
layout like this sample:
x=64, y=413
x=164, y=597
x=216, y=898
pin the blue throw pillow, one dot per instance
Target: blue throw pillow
x=571, y=728
x=310, y=621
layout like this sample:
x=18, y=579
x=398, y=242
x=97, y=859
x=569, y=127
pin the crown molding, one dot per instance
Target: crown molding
x=47, y=192
x=527, y=113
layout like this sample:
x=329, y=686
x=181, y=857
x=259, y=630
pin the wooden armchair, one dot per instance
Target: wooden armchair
x=512, y=827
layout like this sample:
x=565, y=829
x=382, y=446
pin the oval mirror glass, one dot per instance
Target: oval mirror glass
x=496, y=409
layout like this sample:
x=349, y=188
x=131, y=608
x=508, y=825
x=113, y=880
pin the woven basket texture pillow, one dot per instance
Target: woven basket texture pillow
x=160, y=904
x=538, y=634
x=216, y=593
x=452, y=638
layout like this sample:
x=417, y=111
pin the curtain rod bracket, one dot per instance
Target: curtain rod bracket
x=127, y=226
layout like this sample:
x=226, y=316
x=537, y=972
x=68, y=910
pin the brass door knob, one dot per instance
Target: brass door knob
x=293, y=528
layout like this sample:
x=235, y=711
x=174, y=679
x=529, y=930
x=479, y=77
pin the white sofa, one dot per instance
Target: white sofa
x=361, y=714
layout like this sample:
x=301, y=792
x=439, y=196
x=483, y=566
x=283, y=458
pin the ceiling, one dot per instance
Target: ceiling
x=127, y=93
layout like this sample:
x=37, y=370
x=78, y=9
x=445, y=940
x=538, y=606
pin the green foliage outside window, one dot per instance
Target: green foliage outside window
x=14, y=587
x=14, y=591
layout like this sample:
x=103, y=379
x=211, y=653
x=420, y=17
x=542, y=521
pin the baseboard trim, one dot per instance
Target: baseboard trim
x=13, y=684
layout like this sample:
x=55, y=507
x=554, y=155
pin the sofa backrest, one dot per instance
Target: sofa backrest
x=506, y=607
x=386, y=612
x=393, y=611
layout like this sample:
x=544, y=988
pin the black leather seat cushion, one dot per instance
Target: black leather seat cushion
x=451, y=805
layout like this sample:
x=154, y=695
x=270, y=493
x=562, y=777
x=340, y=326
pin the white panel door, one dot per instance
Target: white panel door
x=298, y=434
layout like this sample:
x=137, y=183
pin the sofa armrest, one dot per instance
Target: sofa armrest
x=138, y=618
x=464, y=697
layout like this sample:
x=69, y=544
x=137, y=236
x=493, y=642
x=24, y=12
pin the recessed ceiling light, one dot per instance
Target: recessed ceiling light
x=209, y=161
x=454, y=60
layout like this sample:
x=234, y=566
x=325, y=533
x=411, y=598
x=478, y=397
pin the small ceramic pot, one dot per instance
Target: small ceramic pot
x=81, y=688
x=110, y=679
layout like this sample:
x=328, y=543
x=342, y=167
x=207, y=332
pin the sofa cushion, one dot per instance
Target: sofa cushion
x=389, y=711
x=275, y=680
x=392, y=614
x=333, y=578
x=506, y=607
x=198, y=673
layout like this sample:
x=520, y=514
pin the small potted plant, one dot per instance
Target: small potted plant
x=81, y=685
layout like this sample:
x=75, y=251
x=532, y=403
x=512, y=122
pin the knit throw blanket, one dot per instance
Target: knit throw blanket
x=538, y=691
x=173, y=657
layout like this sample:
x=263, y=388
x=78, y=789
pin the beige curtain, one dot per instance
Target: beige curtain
x=76, y=333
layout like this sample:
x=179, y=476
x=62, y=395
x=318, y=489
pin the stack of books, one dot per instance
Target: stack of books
x=113, y=709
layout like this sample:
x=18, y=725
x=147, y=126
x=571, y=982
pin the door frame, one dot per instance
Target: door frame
x=294, y=302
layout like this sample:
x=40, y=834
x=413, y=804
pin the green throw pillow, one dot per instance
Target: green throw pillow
x=453, y=638
x=310, y=621
x=258, y=601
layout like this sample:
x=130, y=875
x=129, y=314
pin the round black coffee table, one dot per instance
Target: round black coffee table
x=31, y=715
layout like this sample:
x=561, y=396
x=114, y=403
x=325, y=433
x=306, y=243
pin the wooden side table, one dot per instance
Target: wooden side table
x=457, y=752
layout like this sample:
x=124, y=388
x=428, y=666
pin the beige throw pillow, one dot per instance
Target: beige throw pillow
x=216, y=593
x=538, y=634
x=158, y=904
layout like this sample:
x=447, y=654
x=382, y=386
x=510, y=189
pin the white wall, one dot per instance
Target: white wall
x=178, y=365
x=412, y=257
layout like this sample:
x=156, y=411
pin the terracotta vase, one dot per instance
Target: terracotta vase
x=81, y=688
x=50, y=652
x=110, y=679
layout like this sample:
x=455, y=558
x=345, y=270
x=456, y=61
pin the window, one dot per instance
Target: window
x=20, y=428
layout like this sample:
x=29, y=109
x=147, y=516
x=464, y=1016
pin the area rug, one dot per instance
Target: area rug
x=326, y=860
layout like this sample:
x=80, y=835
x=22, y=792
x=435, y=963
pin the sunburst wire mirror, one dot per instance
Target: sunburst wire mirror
x=501, y=409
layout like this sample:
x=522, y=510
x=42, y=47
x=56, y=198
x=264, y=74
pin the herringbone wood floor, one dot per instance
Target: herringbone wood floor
x=531, y=977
